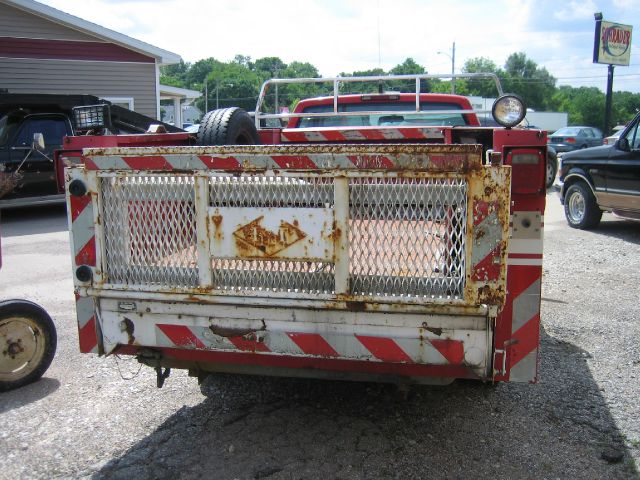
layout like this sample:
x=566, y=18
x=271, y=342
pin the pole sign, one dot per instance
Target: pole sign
x=612, y=43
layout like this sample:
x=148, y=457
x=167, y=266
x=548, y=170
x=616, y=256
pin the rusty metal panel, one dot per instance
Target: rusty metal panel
x=398, y=157
x=263, y=233
x=415, y=224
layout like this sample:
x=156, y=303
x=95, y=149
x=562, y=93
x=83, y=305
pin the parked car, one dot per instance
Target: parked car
x=605, y=178
x=611, y=139
x=568, y=139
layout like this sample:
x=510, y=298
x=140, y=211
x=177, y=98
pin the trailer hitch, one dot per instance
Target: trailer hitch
x=152, y=359
x=161, y=375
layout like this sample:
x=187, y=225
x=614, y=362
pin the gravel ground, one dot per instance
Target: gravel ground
x=88, y=418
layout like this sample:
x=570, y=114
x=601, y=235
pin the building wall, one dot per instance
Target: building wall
x=41, y=56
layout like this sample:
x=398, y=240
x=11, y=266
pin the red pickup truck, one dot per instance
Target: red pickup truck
x=387, y=237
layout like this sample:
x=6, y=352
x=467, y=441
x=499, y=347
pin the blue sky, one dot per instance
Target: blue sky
x=343, y=36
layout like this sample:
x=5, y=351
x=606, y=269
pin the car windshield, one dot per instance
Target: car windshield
x=567, y=131
x=384, y=119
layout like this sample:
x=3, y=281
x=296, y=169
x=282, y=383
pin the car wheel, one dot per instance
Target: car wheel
x=227, y=126
x=27, y=343
x=581, y=208
x=552, y=169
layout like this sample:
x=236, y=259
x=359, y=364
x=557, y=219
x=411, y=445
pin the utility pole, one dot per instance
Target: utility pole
x=453, y=66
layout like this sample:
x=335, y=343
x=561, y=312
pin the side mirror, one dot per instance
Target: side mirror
x=38, y=142
x=623, y=144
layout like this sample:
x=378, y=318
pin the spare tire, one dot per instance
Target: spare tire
x=227, y=126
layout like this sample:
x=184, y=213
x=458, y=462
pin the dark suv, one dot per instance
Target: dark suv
x=601, y=179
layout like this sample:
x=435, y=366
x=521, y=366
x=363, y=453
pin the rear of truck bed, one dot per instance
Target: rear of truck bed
x=381, y=261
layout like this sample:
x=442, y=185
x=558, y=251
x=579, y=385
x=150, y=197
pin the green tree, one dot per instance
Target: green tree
x=269, y=67
x=198, y=71
x=585, y=105
x=409, y=67
x=523, y=76
x=479, y=87
x=364, y=87
x=231, y=84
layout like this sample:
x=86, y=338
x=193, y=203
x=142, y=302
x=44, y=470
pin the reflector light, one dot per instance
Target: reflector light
x=91, y=117
x=508, y=110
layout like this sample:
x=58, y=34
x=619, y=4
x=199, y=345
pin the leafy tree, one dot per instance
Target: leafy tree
x=409, y=67
x=585, y=105
x=479, y=87
x=231, y=84
x=269, y=67
x=199, y=71
x=364, y=87
x=523, y=76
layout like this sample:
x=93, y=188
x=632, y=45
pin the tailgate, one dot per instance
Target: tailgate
x=371, y=255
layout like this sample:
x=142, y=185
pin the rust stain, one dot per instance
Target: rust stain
x=435, y=330
x=128, y=327
x=229, y=332
x=255, y=240
x=356, y=306
x=217, y=220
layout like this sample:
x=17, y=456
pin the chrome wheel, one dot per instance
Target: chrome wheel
x=577, y=207
x=551, y=174
x=580, y=207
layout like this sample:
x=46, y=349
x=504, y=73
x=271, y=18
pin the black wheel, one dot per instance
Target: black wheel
x=27, y=343
x=228, y=126
x=581, y=208
x=552, y=168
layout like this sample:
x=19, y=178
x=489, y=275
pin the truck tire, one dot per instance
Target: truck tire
x=581, y=208
x=227, y=126
x=27, y=343
x=551, y=169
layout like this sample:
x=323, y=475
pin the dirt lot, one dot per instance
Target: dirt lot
x=104, y=418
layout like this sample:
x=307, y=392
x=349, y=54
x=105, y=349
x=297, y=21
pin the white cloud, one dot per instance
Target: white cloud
x=342, y=36
x=576, y=10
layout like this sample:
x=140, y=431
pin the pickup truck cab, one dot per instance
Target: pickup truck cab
x=603, y=179
x=430, y=109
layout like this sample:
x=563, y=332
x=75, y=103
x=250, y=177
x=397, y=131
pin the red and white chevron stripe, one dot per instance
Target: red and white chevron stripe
x=353, y=347
x=362, y=134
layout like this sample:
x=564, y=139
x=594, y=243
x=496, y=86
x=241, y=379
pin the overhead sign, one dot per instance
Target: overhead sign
x=612, y=43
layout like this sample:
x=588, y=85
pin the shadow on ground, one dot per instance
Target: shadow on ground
x=29, y=393
x=33, y=220
x=627, y=230
x=254, y=428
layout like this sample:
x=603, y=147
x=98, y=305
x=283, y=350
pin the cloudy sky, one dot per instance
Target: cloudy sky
x=347, y=35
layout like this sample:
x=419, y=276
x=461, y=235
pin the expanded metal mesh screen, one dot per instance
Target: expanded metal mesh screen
x=407, y=237
x=150, y=230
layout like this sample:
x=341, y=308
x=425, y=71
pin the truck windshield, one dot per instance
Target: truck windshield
x=4, y=129
x=422, y=118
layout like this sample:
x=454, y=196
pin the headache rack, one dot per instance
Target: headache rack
x=339, y=87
